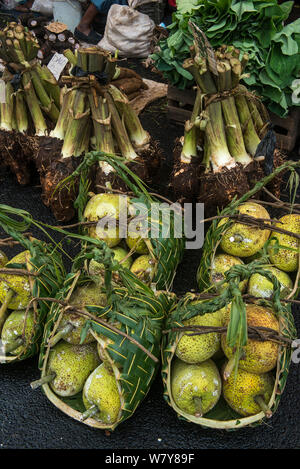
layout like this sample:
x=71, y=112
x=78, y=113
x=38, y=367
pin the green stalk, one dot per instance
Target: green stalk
x=251, y=138
x=95, y=60
x=119, y=130
x=64, y=116
x=82, y=59
x=233, y=129
x=189, y=149
x=70, y=56
x=102, y=124
x=76, y=124
x=110, y=68
x=34, y=106
x=215, y=130
x=50, y=84
x=47, y=104
x=83, y=144
x=138, y=136
x=7, y=108
x=21, y=112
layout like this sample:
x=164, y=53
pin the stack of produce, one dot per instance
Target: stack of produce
x=258, y=28
x=36, y=272
x=101, y=344
x=227, y=135
x=227, y=352
x=128, y=82
x=32, y=99
x=101, y=115
x=53, y=37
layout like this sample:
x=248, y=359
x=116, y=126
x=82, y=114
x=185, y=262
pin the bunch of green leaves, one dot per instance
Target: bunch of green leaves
x=255, y=27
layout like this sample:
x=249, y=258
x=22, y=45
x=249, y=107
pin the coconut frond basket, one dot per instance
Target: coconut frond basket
x=45, y=275
x=222, y=416
x=132, y=350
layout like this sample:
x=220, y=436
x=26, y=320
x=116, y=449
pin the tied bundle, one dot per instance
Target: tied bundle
x=228, y=144
x=31, y=100
x=101, y=115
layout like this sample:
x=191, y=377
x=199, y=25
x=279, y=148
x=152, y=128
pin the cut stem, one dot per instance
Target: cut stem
x=61, y=334
x=89, y=413
x=43, y=380
x=264, y=407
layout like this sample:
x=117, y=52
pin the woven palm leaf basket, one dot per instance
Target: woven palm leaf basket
x=226, y=298
x=126, y=327
x=159, y=234
x=124, y=318
x=35, y=273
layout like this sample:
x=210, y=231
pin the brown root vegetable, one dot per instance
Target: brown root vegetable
x=53, y=170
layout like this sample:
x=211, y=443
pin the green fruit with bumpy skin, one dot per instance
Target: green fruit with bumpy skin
x=221, y=264
x=96, y=268
x=71, y=365
x=248, y=393
x=282, y=258
x=196, y=349
x=18, y=284
x=261, y=287
x=89, y=295
x=3, y=259
x=105, y=205
x=101, y=390
x=13, y=330
x=243, y=240
x=196, y=388
x=258, y=356
x=136, y=244
x=144, y=268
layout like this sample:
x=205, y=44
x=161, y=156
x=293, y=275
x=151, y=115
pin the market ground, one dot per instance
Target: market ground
x=29, y=420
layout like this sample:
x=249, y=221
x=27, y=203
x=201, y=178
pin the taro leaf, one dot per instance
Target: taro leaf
x=289, y=45
x=183, y=71
x=186, y=6
x=241, y=7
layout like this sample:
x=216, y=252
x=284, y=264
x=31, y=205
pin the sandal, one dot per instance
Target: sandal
x=92, y=38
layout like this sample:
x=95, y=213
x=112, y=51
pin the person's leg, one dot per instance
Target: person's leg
x=86, y=21
x=24, y=6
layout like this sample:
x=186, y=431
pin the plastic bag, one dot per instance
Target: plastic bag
x=45, y=7
x=127, y=31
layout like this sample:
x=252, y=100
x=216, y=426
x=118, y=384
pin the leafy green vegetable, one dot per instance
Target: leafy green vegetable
x=255, y=27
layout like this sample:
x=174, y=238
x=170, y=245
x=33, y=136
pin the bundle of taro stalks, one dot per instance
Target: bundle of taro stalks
x=228, y=144
x=30, y=99
x=94, y=115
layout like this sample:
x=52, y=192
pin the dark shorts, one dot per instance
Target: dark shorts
x=104, y=5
